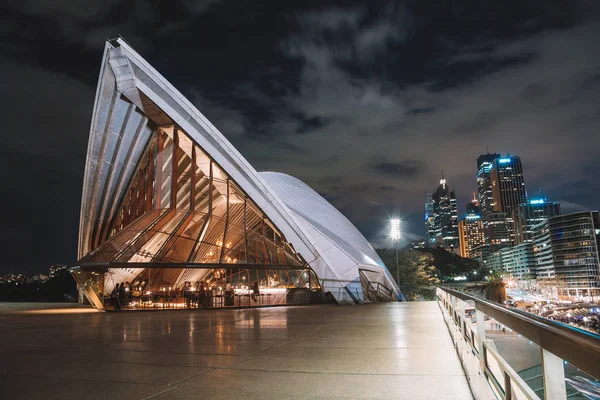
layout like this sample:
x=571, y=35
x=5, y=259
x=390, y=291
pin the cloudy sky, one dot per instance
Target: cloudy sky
x=365, y=101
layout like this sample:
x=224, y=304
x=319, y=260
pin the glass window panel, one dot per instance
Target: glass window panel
x=263, y=279
x=183, y=244
x=201, y=194
x=291, y=257
x=284, y=278
x=202, y=162
x=235, y=235
x=125, y=237
x=124, y=215
x=209, y=250
x=219, y=199
x=497, y=373
x=269, y=235
x=184, y=171
x=218, y=173
x=164, y=170
x=150, y=242
x=235, y=245
x=256, y=243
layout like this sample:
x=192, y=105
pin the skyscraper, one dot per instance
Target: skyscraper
x=484, y=183
x=532, y=213
x=473, y=206
x=445, y=216
x=430, y=230
x=496, y=230
x=566, y=249
x=470, y=234
x=484, y=192
x=508, y=188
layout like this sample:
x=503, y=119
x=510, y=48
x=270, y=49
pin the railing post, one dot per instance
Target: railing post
x=508, y=393
x=480, y=320
x=553, y=367
x=461, y=316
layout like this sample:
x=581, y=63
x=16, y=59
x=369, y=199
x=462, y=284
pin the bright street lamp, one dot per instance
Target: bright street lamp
x=395, y=229
x=395, y=235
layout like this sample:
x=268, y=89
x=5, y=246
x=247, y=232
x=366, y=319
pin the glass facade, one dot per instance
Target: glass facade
x=181, y=212
x=566, y=248
x=159, y=287
x=471, y=234
x=445, y=217
x=532, y=213
x=508, y=189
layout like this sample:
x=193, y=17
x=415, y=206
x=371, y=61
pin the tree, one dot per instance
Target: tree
x=417, y=268
x=417, y=272
x=450, y=265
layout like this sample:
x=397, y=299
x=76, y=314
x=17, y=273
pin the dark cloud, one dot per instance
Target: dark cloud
x=399, y=169
x=340, y=96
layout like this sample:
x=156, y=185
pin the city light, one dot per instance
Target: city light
x=536, y=201
x=395, y=229
x=504, y=160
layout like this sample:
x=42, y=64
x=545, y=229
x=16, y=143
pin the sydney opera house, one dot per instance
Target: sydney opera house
x=169, y=203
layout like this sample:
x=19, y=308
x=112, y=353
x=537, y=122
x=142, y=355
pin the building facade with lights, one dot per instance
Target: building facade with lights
x=471, y=234
x=445, y=217
x=167, y=200
x=484, y=183
x=566, y=252
x=508, y=188
x=532, y=213
x=430, y=227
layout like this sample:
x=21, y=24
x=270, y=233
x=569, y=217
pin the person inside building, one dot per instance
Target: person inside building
x=115, y=297
x=122, y=297
x=255, y=291
x=187, y=294
x=228, y=294
x=201, y=294
x=208, y=295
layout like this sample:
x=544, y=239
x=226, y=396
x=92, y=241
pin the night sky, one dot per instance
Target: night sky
x=365, y=101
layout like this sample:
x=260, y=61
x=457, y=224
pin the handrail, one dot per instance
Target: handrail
x=573, y=345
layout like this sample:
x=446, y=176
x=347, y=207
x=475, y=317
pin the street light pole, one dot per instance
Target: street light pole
x=395, y=235
x=397, y=267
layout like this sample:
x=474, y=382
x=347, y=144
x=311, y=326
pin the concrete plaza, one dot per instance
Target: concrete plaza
x=384, y=351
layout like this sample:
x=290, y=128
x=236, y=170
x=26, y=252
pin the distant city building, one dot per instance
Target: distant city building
x=497, y=234
x=430, y=228
x=519, y=262
x=484, y=183
x=56, y=269
x=542, y=250
x=481, y=254
x=471, y=234
x=566, y=249
x=472, y=207
x=497, y=260
x=532, y=213
x=419, y=244
x=445, y=228
x=508, y=188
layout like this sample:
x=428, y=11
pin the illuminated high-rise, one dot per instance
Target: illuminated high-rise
x=508, y=188
x=445, y=228
x=471, y=234
x=484, y=183
x=430, y=229
x=529, y=214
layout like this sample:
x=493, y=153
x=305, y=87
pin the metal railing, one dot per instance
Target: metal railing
x=489, y=373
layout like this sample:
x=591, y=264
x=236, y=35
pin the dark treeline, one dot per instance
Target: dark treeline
x=59, y=288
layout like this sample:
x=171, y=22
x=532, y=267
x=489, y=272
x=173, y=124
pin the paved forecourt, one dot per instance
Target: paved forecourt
x=399, y=350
